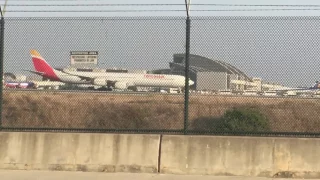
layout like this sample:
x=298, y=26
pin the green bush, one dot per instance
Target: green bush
x=244, y=119
x=238, y=119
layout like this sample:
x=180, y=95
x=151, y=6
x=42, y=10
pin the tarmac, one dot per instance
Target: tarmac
x=67, y=175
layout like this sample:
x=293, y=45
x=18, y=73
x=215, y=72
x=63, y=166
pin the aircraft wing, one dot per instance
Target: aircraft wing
x=82, y=77
x=87, y=78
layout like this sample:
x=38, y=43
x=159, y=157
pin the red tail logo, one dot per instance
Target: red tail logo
x=41, y=65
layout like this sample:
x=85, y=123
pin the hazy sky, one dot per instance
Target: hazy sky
x=284, y=50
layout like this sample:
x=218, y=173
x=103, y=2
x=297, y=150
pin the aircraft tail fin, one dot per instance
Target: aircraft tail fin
x=39, y=63
x=41, y=66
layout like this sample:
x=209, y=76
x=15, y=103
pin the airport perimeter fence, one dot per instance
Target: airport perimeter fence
x=225, y=53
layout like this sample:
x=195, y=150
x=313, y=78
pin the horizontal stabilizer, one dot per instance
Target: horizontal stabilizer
x=35, y=72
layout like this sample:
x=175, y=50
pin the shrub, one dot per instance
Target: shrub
x=245, y=119
x=239, y=119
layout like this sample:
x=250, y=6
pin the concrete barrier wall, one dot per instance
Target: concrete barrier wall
x=241, y=156
x=206, y=155
x=79, y=152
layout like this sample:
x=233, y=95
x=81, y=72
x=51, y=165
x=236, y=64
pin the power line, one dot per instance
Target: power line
x=150, y=10
x=95, y=4
x=228, y=5
x=55, y=0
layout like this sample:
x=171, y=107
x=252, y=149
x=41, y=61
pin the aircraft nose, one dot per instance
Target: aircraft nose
x=191, y=82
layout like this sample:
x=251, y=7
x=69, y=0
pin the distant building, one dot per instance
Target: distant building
x=208, y=74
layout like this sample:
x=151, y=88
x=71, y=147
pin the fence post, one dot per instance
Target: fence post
x=186, y=91
x=1, y=64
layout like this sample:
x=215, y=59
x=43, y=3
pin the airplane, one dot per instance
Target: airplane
x=23, y=85
x=315, y=87
x=105, y=79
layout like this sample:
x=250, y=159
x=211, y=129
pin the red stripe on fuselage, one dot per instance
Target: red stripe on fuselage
x=42, y=66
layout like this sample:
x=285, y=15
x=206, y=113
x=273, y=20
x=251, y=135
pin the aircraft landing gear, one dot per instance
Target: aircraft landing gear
x=109, y=88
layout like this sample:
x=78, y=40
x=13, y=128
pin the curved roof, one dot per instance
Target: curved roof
x=200, y=64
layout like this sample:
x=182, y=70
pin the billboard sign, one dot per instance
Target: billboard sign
x=84, y=57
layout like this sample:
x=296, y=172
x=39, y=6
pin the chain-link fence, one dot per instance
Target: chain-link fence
x=115, y=75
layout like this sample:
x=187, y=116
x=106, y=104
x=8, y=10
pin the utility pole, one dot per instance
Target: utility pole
x=186, y=91
x=1, y=62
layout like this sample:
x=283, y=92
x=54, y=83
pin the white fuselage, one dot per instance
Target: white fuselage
x=132, y=79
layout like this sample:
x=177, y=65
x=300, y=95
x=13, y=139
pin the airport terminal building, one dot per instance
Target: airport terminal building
x=208, y=74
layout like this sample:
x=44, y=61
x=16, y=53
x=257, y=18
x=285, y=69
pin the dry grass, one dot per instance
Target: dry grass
x=80, y=110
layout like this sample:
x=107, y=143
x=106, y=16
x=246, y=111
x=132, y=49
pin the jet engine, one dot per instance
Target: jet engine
x=121, y=85
x=100, y=82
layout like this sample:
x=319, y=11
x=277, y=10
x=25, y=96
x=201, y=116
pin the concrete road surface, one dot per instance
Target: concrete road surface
x=53, y=175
